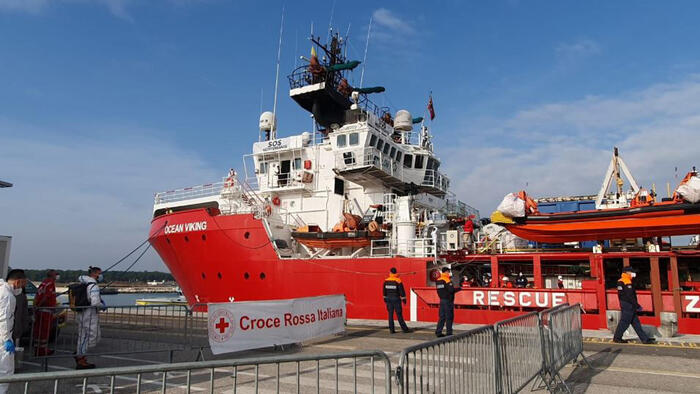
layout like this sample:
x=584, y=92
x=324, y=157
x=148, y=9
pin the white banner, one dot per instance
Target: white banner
x=254, y=324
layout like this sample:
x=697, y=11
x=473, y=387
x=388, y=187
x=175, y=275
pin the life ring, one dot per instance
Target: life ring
x=268, y=209
x=276, y=200
x=230, y=181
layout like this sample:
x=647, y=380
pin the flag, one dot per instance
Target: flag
x=313, y=52
x=430, y=108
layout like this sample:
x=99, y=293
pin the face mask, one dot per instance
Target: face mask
x=100, y=278
x=17, y=291
x=632, y=274
x=57, y=278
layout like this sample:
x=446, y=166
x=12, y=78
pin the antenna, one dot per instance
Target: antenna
x=277, y=80
x=330, y=24
x=296, y=47
x=347, y=37
x=364, y=60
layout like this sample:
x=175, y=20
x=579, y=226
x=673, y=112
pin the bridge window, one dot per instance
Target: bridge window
x=339, y=187
x=380, y=145
x=372, y=140
x=341, y=140
x=297, y=163
x=393, y=152
x=408, y=161
x=398, y=156
x=354, y=139
x=386, y=148
x=263, y=168
x=431, y=163
x=419, y=162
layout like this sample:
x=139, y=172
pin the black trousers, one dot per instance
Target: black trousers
x=447, y=316
x=629, y=317
x=394, y=305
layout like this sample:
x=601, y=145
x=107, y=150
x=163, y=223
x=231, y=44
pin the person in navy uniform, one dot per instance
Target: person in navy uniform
x=394, y=295
x=629, y=306
x=446, y=291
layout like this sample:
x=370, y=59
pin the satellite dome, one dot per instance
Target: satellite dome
x=403, y=120
x=268, y=122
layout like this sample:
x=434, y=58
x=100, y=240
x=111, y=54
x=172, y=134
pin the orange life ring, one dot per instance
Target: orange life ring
x=276, y=200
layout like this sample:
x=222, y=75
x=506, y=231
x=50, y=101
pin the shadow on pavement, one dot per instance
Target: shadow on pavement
x=581, y=377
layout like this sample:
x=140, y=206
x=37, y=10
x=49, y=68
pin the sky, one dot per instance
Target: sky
x=105, y=102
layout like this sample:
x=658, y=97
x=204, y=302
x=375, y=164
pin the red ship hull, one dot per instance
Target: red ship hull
x=232, y=258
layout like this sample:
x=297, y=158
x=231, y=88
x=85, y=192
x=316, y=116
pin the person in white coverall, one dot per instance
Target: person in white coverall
x=87, y=318
x=9, y=289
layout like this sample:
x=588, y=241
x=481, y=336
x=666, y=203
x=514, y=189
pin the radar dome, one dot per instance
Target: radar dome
x=403, y=120
x=268, y=121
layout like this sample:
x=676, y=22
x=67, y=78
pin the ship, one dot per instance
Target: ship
x=325, y=211
x=332, y=209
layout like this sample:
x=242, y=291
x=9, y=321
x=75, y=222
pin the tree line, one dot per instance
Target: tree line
x=119, y=276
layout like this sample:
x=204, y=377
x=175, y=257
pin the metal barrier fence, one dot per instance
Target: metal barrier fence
x=520, y=351
x=503, y=358
x=463, y=363
x=563, y=340
x=63, y=332
x=349, y=371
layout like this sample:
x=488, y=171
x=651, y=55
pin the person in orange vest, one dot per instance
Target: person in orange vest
x=629, y=306
x=506, y=282
x=44, y=301
x=394, y=295
x=446, y=291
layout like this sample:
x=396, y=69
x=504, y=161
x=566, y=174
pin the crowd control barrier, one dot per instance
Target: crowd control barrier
x=358, y=372
x=503, y=358
x=462, y=363
x=62, y=331
x=520, y=352
x=562, y=339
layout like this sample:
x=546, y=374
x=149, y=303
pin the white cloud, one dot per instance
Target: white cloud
x=77, y=202
x=387, y=20
x=564, y=148
x=577, y=49
x=118, y=8
x=31, y=6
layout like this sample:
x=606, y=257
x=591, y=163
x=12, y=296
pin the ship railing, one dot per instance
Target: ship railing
x=456, y=208
x=418, y=247
x=370, y=157
x=363, y=371
x=381, y=247
x=436, y=180
x=192, y=192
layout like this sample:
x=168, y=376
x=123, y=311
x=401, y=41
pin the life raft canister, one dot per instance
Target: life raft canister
x=276, y=200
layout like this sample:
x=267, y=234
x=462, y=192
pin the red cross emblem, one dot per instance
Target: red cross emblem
x=221, y=325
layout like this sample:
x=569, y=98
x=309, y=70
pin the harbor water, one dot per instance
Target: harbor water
x=130, y=298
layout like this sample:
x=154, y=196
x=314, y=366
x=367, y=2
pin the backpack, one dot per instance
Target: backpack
x=78, y=296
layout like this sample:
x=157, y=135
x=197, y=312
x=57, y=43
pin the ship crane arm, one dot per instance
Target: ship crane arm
x=613, y=174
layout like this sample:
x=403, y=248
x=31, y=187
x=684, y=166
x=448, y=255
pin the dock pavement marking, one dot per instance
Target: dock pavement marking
x=648, y=372
x=672, y=345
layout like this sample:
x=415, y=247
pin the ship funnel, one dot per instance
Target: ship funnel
x=403, y=120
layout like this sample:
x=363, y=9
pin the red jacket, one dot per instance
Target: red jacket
x=468, y=226
x=46, y=294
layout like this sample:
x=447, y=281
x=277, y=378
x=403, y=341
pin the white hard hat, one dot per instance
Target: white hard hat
x=505, y=278
x=560, y=277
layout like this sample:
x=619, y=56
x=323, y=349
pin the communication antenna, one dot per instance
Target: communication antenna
x=277, y=79
x=347, y=37
x=330, y=24
x=364, y=60
x=296, y=47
